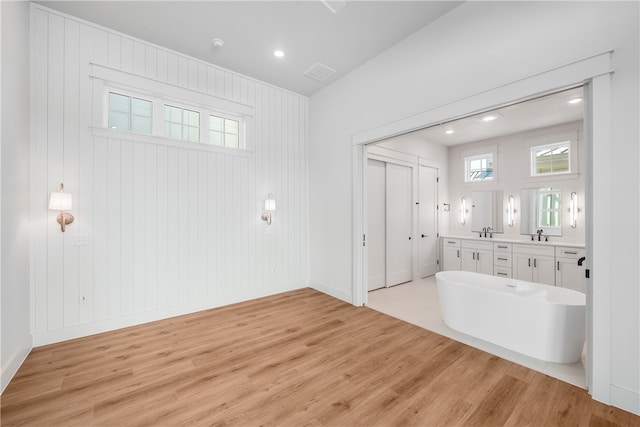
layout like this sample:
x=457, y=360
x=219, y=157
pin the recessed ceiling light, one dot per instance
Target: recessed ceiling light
x=449, y=131
x=488, y=117
x=574, y=101
x=217, y=43
x=278, y=53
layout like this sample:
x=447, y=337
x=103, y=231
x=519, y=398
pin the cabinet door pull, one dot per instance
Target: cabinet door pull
x=502, y=259
x=478, y=256
x=534, y=263
x=502, y=274
x=529, y=262
x=449, y=241
x=502, y=247
x=558, y=265
x=458, y=253
x=474, y=255
x=571, y=253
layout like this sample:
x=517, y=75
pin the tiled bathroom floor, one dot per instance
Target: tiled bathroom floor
x=417, y=303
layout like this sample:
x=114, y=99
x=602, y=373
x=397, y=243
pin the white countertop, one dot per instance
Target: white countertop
x=553, y=240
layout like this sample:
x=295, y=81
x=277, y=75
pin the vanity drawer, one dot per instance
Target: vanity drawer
x=476, y=244
x=502, y=272
x=450, y=242
x=569, y=252
x=502, y=259
x=502, y=247
x=534, y=250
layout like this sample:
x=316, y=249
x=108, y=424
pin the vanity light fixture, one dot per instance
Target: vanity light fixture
x=510, y=211
x=269, y=206
x=573, y=210
x=61, y=201
x=463, y=210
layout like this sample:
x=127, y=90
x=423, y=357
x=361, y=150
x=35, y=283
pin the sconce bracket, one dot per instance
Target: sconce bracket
x=266, y=216
x=64, y=218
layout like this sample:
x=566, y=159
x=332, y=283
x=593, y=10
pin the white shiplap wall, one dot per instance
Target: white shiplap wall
x=161, y=228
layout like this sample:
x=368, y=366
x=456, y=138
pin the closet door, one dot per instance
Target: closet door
x=398, y=235
x=376, y=224
x=427, y=220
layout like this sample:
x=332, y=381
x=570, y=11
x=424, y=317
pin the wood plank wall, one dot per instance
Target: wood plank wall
x=169, y=228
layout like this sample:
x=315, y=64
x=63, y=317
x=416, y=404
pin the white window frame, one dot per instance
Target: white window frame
x=106, y=79
x=469, y=159
x=550, y=141
x=158, y=120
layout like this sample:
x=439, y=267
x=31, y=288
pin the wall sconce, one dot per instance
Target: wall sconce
x=61, y=201
x=573, y=210
x=463, y=210
x=510, y=211
x=269, y=206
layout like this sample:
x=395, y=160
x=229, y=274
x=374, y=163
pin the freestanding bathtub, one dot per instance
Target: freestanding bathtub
x=540, y=321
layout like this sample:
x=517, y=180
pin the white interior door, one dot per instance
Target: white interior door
x=398, y=236
x=376, y=224
x=427, y=220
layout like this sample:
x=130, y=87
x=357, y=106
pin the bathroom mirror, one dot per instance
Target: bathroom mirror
x=486, y=211
x=541, y=209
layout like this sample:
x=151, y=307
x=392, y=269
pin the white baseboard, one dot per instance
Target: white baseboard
x=11, y=366
x=332, y=291
x=626, y=399
x=78, y=331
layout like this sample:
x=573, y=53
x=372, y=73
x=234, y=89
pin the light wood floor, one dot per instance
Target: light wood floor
x=296, y=359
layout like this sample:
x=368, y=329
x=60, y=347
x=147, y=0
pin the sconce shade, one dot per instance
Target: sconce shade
x=269, y=205
x=60, y=202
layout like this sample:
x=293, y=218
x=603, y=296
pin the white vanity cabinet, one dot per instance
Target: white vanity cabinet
x=534, y=263
x=502, y=259
x=477, y=256
x=450, y=254
x=568, y=273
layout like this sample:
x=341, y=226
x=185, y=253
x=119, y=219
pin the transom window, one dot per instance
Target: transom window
x=550, y=159
x=224, y=132
x=180, y=123
x=479, y=168
x=130, y=113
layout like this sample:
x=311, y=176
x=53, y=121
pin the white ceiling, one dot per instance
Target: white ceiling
x=307, y=31
x=532, y=114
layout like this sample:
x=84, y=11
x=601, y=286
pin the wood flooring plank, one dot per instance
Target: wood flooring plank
x=299, y=358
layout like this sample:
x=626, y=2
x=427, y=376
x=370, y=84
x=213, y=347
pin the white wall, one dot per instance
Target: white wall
x=475, y=48
x=512, y=168
x=161, y=227
x=16, y=335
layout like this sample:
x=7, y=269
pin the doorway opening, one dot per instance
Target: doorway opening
x=595, y=74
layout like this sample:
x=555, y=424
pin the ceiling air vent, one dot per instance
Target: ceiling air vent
x=319, y=71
